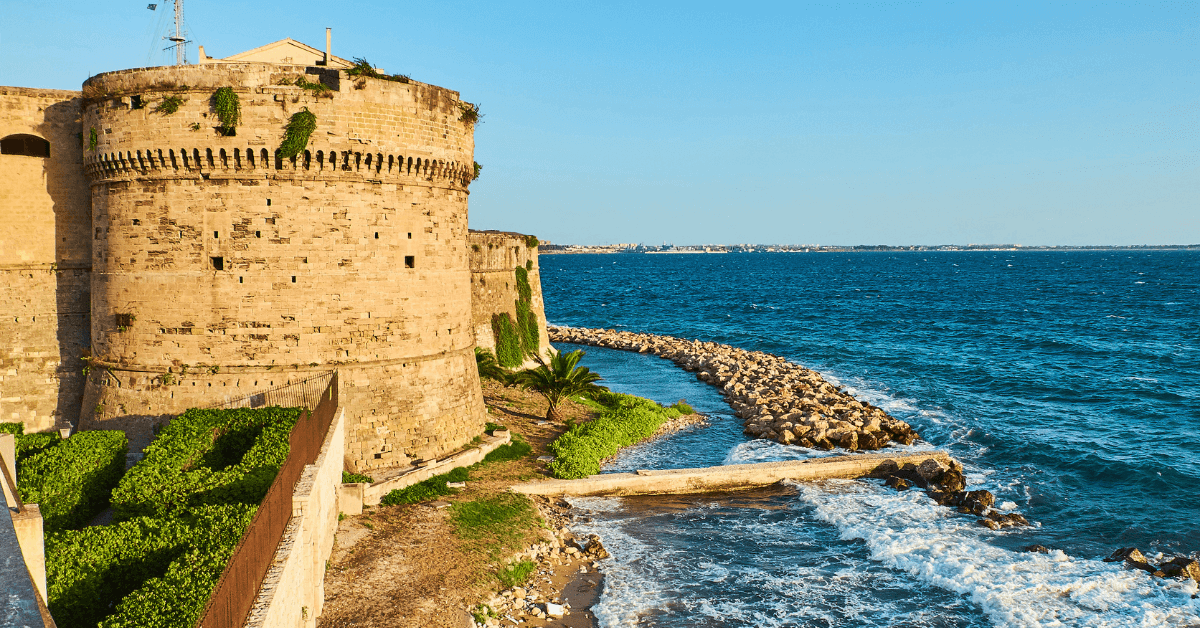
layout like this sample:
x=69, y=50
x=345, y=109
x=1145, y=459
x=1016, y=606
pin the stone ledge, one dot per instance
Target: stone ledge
x=723, y=478
x=371, y=495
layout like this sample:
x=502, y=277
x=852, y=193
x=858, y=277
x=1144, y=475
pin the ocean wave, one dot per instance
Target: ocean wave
x=908, y=532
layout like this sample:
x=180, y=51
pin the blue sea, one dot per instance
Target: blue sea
x=1067, y=383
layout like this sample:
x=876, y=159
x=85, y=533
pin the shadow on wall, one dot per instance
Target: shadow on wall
x=72, y=205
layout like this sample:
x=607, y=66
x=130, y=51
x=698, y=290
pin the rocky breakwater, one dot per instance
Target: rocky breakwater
x=777, y=399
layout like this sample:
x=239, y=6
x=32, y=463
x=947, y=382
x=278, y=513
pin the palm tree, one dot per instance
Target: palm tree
x=489, y=368
x=559, y=379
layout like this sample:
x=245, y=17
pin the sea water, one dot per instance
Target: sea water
x=1066, y=382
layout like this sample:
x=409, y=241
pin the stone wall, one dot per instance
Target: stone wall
x=45, y=261
x=293, y=591
x=220, y=266
x=495, y=255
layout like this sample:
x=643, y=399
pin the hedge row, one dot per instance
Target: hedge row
x=623, y=420
x=157, y=572
x=180, y=512
x=70, y=480
x=207, y=457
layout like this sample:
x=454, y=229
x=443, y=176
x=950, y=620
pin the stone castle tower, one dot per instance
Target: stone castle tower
x=210, y=266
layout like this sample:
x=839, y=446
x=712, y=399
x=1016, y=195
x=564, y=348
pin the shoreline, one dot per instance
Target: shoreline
x=777, y=399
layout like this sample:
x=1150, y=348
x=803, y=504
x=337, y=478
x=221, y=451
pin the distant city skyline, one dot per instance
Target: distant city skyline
x=906, y=124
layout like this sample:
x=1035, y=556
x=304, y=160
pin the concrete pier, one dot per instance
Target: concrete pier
x=724, y=478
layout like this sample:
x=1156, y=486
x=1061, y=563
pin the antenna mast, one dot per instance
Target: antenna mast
x=180, y=49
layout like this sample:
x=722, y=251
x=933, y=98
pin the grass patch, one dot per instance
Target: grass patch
x=432, y=488
x=623, y=420
x=496, y=525
x=355, y=478
x=517, y=573
x=515, y=450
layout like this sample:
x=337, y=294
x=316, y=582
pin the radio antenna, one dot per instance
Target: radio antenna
x=179, y=41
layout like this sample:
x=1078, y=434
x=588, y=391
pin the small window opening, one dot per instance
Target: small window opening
x=268, y=202
x=410, y=261
x=239, y=280
x=135, y=102
x=136, y=222
x=216, y=234
x=258, y=234
x=293, y=279
x=376, y=235
x=410, y=235
x=218, y=263
x=24, y=144
x=180, y=234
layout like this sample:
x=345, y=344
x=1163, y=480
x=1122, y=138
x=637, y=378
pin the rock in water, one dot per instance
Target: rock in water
x=1037, y=549
x=898, y=483
x=1181, y=567
x=594, y=548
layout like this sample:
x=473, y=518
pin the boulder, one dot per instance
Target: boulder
x=1037, y=549
x=898, y=483
x=932, y=470
x=988, y=523
x=595, y=548
x=1182, y=567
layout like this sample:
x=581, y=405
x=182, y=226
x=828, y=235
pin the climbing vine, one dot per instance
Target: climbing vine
x=168, y=106
x=527, y=323
x=92, y=139
x=228, y=108
x=299, y=129
x=508, y=343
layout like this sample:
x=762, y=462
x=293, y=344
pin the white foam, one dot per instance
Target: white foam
x=908, y=532
x=655, y=578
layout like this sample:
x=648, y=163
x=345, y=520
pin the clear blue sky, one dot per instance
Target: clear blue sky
x=829, y=122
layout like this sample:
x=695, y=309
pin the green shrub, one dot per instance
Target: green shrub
x=12, y=428
x=142, y=572
x=30, y=444
x=318, y=88
x=478, y=168
x=365, y=69
x=355, y=478
x=207, y=457
x=626, y=420
x=531, y=241
x=429, y=489
x=71, y=479
x=517, y=573
x=683, y=407
x=508, y=343
x=228, y=108
x=299, y=129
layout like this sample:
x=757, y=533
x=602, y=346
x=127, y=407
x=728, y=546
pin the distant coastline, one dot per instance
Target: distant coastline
x=576, y=249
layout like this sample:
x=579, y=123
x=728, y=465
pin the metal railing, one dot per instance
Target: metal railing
x=301, y=394
x=233, y=597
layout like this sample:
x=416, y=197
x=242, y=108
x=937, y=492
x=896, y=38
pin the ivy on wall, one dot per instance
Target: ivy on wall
x=527, y=323
x=299, y=129
x=228, y=108
x=508, y=342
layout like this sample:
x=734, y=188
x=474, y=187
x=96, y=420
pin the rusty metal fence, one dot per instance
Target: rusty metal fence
x=234, y=595
x=301, y=394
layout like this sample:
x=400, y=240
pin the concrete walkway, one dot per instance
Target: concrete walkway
x=725, y=478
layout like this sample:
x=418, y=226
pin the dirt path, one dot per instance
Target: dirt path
x=402, y=566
